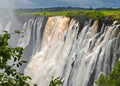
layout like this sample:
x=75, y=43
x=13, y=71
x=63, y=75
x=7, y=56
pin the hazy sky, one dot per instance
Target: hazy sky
x=59, y=3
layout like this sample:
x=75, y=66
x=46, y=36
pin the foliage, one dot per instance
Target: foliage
x=55, y=82
x=17, y=31
x=10, y=61
x=113, y=79
x=118, y=31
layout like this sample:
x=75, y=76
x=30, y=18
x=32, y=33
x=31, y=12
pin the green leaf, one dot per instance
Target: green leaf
x=15, y=59
x=35, y=84
x=17, y=65
x=24, y=61
x=20, y=64
x=17, y=31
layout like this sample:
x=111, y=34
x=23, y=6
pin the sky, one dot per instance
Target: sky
x=58, y=3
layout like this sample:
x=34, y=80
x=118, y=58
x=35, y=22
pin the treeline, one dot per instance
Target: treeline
x=53, y=9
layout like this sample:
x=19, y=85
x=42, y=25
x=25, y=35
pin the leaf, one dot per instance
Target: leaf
x=24, y=61
x=17, y=31
x=15, y=59
x=20, y=64
x=35, y=84
x=26, y=77
x=17, y=65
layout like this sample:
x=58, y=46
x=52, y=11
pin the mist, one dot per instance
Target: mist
x=8, y=20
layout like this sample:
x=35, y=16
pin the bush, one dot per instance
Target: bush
x=113, y=79
x=9, y=75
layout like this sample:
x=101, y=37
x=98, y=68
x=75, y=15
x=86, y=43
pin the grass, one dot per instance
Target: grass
x=87, y=14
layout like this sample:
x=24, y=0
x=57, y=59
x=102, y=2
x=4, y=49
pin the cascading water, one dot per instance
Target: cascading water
x=31, y=37
x=10, y=23
x=55, y=46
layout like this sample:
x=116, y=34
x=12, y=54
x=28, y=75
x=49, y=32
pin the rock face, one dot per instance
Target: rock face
x=57, y=46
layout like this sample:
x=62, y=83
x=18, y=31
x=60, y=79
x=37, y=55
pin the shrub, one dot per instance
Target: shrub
x=9, y=75
x=113, y=79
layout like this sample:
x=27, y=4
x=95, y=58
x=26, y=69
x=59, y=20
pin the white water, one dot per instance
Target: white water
x=54, y=48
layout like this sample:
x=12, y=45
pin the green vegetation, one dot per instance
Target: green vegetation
x=113, y=14
x=118, y=31
x=9, y=75
x=55, y=82
x=113, y=79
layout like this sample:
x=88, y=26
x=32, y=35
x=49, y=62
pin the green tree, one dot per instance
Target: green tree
x=10, y=61
x=113, y=79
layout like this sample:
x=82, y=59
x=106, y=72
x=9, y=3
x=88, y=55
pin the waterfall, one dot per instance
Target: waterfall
x=31, y=37
x=57, y=46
